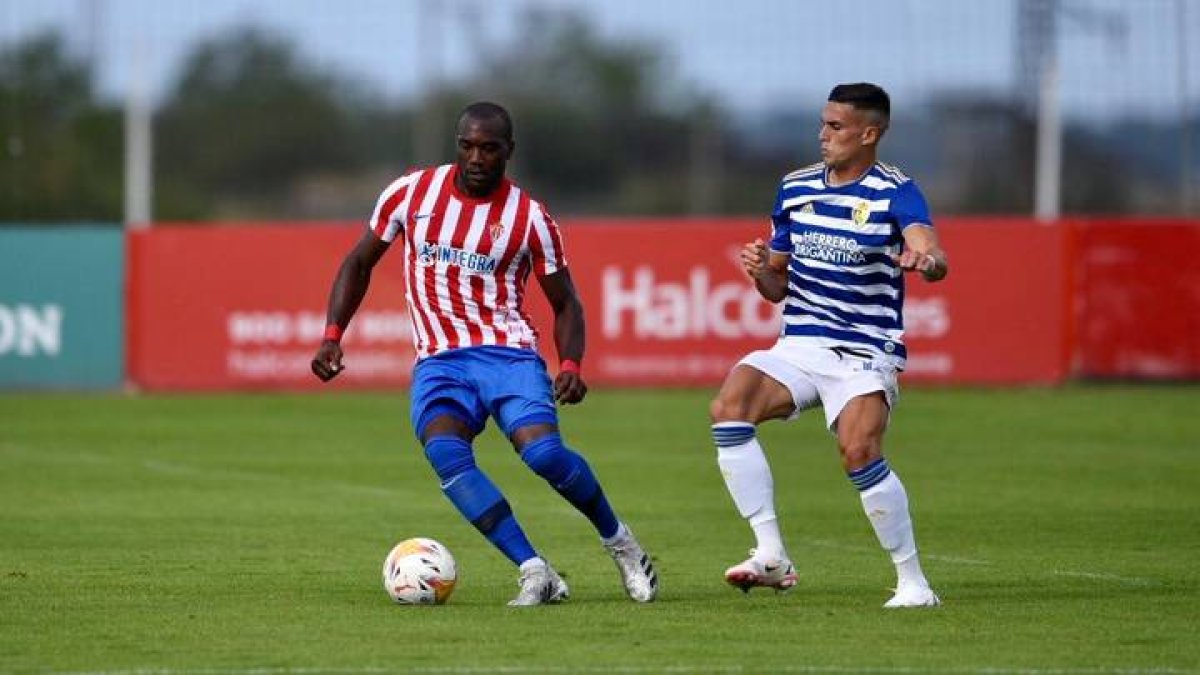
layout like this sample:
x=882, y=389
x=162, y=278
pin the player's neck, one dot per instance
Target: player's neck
x=850, y=172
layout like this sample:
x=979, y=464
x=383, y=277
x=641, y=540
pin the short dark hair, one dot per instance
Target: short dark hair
x=864, y=96
x=486, y=110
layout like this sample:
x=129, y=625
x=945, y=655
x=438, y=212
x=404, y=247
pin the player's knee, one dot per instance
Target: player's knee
x=858, y=452
x=727, y=409
x=445, y=420
x=526, y=432
x=449, y=455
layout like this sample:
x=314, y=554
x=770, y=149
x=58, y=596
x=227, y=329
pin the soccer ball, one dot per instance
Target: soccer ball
x=419, y=571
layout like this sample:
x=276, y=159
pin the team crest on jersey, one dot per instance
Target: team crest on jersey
x=861, y=212
x=807, y=209
x=496, y=229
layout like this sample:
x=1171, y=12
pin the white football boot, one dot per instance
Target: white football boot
x=913, y=595
x=540, y=585
x=779, y=574
x=637, y=572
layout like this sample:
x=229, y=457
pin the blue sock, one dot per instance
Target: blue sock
x=476, y=497
x=570, y=474
x=870, y=475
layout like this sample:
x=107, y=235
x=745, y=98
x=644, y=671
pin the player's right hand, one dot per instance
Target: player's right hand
x=328, y=362
x=754, y=259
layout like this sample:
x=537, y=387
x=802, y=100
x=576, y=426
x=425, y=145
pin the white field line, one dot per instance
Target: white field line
x=680, y=668
x=874, y=550
x=176, y=468
x=957, y=560
x=1099, y=576
x=180, y=469
x=61, y=457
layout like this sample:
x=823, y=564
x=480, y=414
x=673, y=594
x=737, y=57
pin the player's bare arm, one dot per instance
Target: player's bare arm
x=569, y=386
x=923, y=254
x=766, y=268
x=349, y=289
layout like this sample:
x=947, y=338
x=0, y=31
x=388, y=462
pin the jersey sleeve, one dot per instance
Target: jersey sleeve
x=391, y=209
x=781, y=229
x=545, y=243
x=909, y=207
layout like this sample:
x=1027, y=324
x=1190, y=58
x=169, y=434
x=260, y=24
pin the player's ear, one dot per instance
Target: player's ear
x=512, y=146
x=871, y=135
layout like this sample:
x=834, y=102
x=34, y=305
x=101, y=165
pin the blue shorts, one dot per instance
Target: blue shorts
x=507, y=383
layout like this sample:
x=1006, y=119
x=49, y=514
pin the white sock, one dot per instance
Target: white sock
x=531, y=563
x=909, y=572
x=886, y=506
x=748, y=478
x=621, y=533
x=768, y=542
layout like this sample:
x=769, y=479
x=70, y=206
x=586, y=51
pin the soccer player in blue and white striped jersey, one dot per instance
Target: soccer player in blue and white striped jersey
x=845, y=231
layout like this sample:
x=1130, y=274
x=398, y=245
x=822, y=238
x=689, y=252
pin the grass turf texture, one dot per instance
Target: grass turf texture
x=246, y=533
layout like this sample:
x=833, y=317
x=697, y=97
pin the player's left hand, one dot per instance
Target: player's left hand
x=569, y=388
x=328, y=362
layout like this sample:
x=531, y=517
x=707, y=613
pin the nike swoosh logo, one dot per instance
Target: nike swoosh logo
x=422, y=216
x=770, y=568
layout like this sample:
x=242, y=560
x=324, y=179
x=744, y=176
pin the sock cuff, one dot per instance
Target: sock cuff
x=764, y=515
x=730, y=434
x=621, y=532
x=542, y=443
x=535, y=561
x=870, y=475
x=447, y=440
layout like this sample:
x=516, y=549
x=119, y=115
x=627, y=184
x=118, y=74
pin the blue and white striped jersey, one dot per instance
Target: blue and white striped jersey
x=843, y=288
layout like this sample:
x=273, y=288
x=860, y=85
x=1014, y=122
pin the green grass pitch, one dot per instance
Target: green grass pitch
x=245, y=534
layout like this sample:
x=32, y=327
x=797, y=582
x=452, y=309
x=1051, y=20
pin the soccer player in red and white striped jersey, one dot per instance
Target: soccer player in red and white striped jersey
x=468, y=258
x=471, y=238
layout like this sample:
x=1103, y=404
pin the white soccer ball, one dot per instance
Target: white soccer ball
x=419, y=571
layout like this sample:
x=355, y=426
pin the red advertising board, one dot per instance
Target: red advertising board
x=1137, y=293
x=1000, y=316
x=244, y=308
x=667, y=305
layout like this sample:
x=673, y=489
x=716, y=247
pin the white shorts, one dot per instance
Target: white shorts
x=815, y=374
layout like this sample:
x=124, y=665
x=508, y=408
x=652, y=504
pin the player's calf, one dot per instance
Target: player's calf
x=568, y=472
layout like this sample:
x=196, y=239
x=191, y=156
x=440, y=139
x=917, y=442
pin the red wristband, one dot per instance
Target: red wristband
x=333, y=332
x=568, y=366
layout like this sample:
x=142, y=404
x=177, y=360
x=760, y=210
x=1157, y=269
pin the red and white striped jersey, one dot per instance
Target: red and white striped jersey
x=467, y=260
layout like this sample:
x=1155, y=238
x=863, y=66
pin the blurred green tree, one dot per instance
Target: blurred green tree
x=245, y=122
x=61, y=147
x=603, y=126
